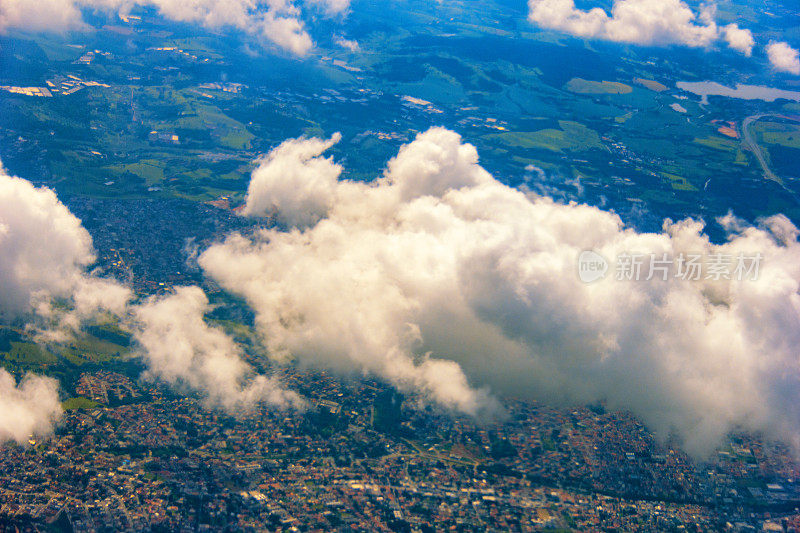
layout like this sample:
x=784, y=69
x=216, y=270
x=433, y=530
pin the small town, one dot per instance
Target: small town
x=133, y=456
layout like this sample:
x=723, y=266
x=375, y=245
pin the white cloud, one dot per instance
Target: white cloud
x=180, y=348
x=294, y=182
x=28, y=409
x=647, y=22
x=446, y=282
x=332, y=7
x=783, y=57
x=272, y=21
x=347, y=44
x=433, y=164
x=43, y=15
x=275, y=21
x=44, y=254
x=285, y=31
x=739, y=39
x=43, y=250
x=209, y=13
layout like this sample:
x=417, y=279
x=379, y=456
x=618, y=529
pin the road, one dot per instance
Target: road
x=752, y=145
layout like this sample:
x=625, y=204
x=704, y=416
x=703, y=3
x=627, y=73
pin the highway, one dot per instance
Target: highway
x=752, y=145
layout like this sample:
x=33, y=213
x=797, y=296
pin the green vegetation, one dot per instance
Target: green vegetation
x=56, y=49
x=679, y=183
x=741, y=158
x=29, y=354
x=718, y=143
x=202, y=45
x=558, y=102
x=581, y=86
x=501, y=448
x=387, y=412
x=150, y=169
x=548, y=444
x=782, y=134
x=78, y=403
x=572, y=137
x=651, y=84
x=239, y=139
x=88, y=348
x=624, y=118
x=101, y=344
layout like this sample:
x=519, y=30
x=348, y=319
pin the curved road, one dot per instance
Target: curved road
x=749, y=142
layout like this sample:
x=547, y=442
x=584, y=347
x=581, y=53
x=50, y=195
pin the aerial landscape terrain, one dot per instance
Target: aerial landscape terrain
x=399, y=265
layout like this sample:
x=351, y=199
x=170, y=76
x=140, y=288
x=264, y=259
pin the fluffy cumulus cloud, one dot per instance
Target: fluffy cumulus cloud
x=347, y=44
x=272, y=21
x=28, y=409
x=784, y=58
x=285, y=31
x=180, y=348
x=44, y=254
x=293, y=182
x=450, y=284
x=43, y=247
x=648, y=22
x=44, y=15
x=739, y=39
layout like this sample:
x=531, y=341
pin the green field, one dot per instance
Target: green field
x=651, y=84
x=151, y=170
x=27, y=353
x=581, y=86
x=787, y=135
x=572, y=137
x=718, y=143
x=78, y=403
x=679, y=183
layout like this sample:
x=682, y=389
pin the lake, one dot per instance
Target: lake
x=745, y=92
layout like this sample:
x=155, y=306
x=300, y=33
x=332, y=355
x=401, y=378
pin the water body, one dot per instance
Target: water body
x=744, y=92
